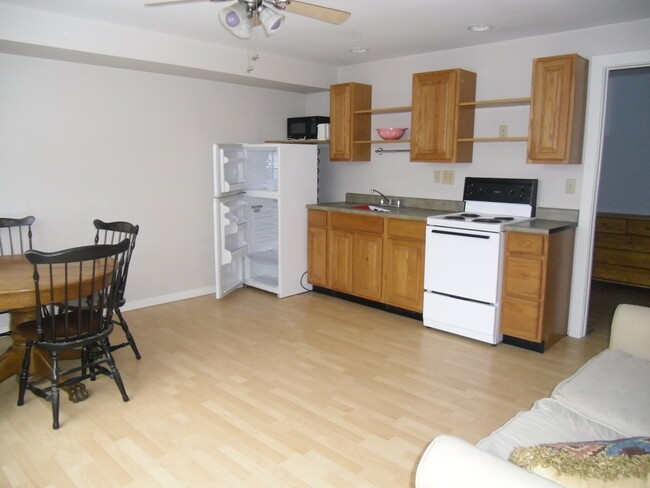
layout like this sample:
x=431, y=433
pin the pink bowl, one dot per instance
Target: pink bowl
x=391, y=133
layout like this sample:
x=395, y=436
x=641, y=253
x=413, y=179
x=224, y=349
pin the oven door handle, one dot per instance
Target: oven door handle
x=460, y=234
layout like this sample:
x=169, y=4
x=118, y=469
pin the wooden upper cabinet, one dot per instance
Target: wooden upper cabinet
x=437, y=120
x=557, y=113
x=346, y=126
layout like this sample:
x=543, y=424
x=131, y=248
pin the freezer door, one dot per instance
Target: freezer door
x=231, y=246
x=228, y=169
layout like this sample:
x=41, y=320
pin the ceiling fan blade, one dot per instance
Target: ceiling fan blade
x=318, y=12
x=175, y=2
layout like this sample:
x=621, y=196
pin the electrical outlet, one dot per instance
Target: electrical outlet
x=436, y=176
x=503, y=130
x=448, y=177
x=570, y=185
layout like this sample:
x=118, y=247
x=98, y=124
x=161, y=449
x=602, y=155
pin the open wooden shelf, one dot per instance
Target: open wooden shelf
x=499, y=102
x=382, y=141
x=495, y=139
x=387, y=110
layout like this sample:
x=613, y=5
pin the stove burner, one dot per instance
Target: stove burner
x=470, y=215
x=488, y=220
x=504, y=219
x=454, y=217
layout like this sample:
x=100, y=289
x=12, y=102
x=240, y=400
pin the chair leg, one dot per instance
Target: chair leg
x=127, y=332
x=114, y=372
x=24, y=373
x=54, y=392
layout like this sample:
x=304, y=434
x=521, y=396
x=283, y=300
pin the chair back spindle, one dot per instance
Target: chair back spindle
x=15, y=235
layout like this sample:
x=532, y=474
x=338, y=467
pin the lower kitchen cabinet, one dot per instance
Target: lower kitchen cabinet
x=404, y=264
x=354, y=254
x=317, y=247
x=367, y=252
x=380, y=259
x=536, y=287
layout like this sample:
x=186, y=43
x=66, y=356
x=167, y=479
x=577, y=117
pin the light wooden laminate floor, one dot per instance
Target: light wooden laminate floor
x=254, y=391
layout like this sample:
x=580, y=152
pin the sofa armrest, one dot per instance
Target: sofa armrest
x=631, y=330
x=450, y=462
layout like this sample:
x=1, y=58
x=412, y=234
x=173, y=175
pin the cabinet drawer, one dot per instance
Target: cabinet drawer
x=317, y=218
x=623, y=258
x=408, y=229
x=626, y=242
x=638, y=227
x=520, y=318
x=357, y=223
x=621, y=274
x=524, y=277
x=610, y=225
x=525, y=243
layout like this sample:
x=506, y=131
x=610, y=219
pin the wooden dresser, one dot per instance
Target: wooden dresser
x=622, y=249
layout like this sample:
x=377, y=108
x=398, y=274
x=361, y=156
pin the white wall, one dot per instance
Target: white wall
x=79, y=142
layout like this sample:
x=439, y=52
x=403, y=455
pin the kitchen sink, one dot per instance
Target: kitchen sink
x=372, y=208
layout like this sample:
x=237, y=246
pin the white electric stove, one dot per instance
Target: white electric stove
x=464, y=254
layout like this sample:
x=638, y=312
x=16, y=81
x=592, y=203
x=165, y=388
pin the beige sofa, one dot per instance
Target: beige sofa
x=607, y=399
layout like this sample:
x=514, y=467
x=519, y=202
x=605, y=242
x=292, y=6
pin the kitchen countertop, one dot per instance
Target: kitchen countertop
x=541, y=226
x=547, y=221
x=409, y=213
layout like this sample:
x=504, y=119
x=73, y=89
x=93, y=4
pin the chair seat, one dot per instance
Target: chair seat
x=55, y=335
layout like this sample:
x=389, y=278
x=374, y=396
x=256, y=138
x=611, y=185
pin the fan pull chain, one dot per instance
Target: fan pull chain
x=252, y=55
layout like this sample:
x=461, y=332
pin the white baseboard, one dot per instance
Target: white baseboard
x=4, y=322
x=134, y=305
x=173, y=297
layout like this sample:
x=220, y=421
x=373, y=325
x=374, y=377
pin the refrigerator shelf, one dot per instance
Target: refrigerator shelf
x=230, y=255
x=269, y=256
x=264, y=282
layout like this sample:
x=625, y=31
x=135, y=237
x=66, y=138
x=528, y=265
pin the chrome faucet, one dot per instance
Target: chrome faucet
x=386, y=200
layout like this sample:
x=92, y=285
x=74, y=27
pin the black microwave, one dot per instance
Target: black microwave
x=305, y=127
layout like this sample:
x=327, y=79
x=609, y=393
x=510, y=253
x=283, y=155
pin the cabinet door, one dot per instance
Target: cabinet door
x=340, y=244
x=404, y=273
x=436, y=119
x=367, y=266
x=317, y=256
x=345, y=125
x=317, y=247
x=557, y=113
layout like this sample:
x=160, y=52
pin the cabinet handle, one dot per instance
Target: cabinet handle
x=460, y=234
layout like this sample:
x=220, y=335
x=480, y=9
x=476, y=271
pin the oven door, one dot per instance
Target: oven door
x=463, y=263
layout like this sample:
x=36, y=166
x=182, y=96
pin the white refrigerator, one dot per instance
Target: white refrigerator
x=260, y=216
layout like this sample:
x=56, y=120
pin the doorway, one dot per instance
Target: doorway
x=601, y=68
x=624, y=173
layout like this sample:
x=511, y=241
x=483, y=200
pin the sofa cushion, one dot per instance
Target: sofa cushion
x=613, y=389
x=621, y=463
x=548, y=421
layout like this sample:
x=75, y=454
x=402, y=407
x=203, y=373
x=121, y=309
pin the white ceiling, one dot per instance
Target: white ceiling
x=388, y=29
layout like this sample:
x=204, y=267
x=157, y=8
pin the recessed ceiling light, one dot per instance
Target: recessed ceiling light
x=479, y=27
x=359, y=50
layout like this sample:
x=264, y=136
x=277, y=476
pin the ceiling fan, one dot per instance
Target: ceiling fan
x=242, y=16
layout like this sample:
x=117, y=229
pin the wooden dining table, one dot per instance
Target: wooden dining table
x=18, y=296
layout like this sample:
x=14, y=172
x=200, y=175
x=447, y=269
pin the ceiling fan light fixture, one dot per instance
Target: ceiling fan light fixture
x=236, y=20
x=270, y=20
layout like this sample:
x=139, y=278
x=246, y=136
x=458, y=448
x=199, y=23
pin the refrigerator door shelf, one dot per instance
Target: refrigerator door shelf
x=270, y=195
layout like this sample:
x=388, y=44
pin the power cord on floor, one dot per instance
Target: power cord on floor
x=301, y=278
